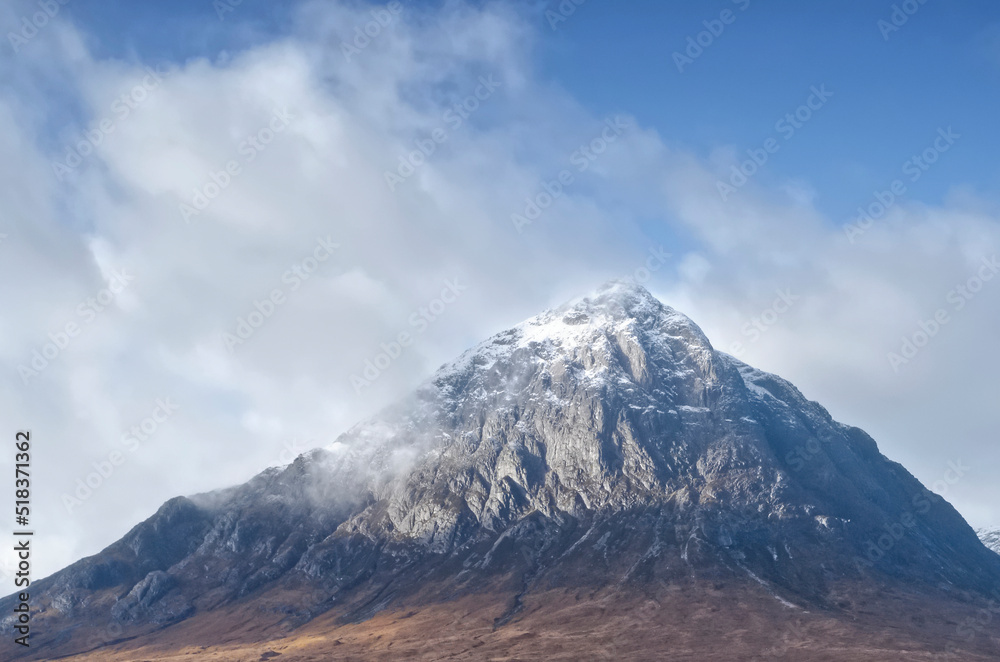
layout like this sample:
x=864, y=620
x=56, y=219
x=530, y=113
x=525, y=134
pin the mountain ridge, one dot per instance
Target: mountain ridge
x=602, y=444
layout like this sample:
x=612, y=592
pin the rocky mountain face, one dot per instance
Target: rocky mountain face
x=602, y=444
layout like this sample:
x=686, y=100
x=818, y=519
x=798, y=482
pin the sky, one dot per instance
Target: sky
x=214, y=214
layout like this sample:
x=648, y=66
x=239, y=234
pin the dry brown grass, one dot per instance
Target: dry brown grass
x=681, y=623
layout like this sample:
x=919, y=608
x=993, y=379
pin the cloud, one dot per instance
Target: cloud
x=344, y=123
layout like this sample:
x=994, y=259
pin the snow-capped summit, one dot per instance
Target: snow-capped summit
x=618, y=309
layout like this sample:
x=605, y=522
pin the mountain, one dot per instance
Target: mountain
x=597, y=481
x=990, y=538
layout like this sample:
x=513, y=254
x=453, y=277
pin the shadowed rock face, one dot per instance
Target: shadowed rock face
x=605, y=441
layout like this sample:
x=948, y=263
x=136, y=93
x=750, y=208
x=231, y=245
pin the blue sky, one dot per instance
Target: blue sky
x=940, y=68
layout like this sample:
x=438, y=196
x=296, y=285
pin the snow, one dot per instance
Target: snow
x=755, y=389
x=616, y=309
x=990, y=538
x=769, y=590
x=693, y=410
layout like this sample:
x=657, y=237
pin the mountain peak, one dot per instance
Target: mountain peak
x=617, y=298
x=622, y=290
x=599, y=445
x=619, y=327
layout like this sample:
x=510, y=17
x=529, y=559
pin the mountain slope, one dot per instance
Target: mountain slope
x=602, y=447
